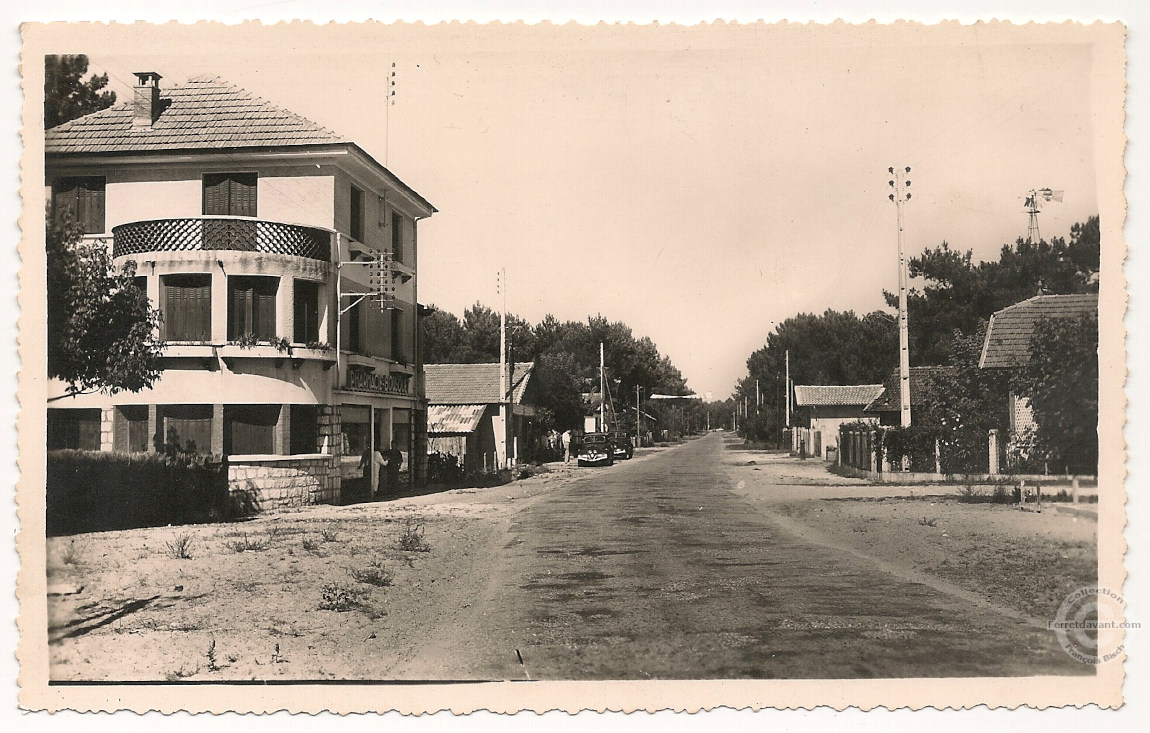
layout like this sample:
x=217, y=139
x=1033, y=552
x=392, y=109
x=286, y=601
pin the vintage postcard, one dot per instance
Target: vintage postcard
x=410, y=367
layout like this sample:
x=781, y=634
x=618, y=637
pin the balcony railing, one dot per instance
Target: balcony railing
x=221, y=233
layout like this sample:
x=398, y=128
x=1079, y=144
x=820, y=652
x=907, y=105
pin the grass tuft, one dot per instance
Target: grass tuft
x=411, y=539
x=181, y=547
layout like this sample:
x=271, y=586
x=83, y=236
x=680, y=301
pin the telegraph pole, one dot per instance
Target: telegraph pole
x=900, y=196
x=501, y=445
x=638, y=418
x=787, y=387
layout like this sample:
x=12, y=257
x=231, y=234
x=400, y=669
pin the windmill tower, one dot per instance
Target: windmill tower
x=1034, y=199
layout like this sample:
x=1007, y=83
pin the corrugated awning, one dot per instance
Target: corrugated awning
x=454, y=418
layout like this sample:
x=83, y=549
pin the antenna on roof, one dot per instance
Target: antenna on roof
x=388, y=102
x=1034, y=198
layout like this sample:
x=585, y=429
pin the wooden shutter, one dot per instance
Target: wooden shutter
x=264, y=307
x=215, y=194
x=63, y=199
x=230, y=194
x=188, y=307
x=396, y=337
x=190, y=426
x=243, y=194
x=240, y=317
x=306, y=309
x=90, y=204
x=397, y=237
x=356, y=214
x=250, y=429
x=304, y=429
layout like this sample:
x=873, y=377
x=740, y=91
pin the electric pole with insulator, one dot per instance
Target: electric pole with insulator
x=899, y=196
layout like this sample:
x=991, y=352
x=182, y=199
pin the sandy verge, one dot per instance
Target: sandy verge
x=1022, y=563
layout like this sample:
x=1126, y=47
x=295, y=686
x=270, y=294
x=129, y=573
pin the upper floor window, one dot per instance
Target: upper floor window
x=356, y=214
x=230, y=194
x=397, y=236
x=306, y=308
x=81, y=199
x=252, y=307
x=187, y=303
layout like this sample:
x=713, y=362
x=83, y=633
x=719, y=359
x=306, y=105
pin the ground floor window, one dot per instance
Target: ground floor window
x=186, y=428
x=73, y=428
x=250, y=429
x=304, y=429
x=130, y=429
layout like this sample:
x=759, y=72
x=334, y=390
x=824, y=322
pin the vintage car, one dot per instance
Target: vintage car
x=623, y=444
x=596, y=450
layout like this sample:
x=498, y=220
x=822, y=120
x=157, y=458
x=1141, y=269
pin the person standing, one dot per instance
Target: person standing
x=394, y=462
x=565, y=446
x=372, y=459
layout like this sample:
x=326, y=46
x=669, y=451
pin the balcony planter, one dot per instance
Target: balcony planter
x=231, y=353
x=205, y=352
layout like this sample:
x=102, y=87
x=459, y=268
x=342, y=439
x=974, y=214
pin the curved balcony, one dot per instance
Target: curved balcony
x=221, y=233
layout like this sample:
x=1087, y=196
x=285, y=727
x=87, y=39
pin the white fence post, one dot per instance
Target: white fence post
x=993, y=447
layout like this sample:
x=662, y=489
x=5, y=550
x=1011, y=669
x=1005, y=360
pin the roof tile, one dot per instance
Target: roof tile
x=469, y=384
x=1008, y=335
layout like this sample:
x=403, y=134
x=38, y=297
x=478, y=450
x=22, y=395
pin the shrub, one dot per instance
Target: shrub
x=247, y=544
x=411, y=540
x=329, y=535
x=181, y=547
x=374, y=574
x=337, y=597
x=101, y=490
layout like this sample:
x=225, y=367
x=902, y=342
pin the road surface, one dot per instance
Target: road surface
x=655, y=569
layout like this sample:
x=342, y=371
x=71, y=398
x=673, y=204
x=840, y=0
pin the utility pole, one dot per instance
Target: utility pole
x=638, y=418
x=501, y=434
x=899, y=196
x=758, y=398
x=787, y=387
x=602, y=392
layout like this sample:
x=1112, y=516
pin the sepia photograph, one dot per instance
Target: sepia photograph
x=784, y=357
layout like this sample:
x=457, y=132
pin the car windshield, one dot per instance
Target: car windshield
x=593, y=440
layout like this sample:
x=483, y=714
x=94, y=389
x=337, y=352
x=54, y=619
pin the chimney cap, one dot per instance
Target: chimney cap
x=143, y=78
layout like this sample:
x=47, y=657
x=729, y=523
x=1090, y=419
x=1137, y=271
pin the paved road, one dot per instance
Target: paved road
x=655, y=569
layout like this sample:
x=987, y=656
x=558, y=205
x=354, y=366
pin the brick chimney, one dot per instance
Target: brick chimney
x=146, y=105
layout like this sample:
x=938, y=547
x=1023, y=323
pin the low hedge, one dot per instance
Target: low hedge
x=89, y=491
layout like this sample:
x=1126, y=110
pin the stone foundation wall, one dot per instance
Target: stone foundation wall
x=266, y=483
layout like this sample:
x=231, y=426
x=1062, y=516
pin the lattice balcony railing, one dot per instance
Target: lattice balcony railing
x=208, y=233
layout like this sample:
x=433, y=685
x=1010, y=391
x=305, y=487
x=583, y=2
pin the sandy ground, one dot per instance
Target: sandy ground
x=249, y=600
x=1025, y=560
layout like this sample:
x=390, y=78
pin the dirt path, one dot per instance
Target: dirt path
x=682, y=563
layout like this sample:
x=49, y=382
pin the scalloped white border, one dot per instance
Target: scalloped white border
x=670, y=695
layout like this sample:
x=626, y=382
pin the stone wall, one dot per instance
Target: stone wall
x=265, y=483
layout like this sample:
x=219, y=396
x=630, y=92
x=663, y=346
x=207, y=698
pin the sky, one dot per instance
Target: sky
x=699, y=184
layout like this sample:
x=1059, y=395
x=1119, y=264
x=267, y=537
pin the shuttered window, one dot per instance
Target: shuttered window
x=353, y=327
x=250, y=429
x=304, y=429
x=187, y=307
x=187, y=426
x=130, y=427
x=230, y=194
x=356, y=214
x=252, y=307
x=82, y=200
x=397, y=237
x=306, y=308
x=71, y=428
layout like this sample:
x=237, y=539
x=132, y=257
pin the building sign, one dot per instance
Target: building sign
x=368, y=381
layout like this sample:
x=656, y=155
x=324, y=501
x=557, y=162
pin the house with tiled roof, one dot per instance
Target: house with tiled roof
x=924, y=383
x=283, y=258
x=1008, y=338
x=471, y=418
x=828, y=406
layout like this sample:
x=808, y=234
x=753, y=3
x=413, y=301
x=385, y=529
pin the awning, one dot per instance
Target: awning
x=454, y=418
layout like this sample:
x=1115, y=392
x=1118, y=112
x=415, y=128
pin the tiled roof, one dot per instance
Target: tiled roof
x=922, y=388
x=1008, y=335
x=203, y=113
x=834, y=394
x=453, y=418
x=472, y=384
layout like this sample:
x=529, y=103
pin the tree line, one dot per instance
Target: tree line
x=949, y=307
x=566, y=357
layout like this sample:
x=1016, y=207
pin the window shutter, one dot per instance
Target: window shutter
x=90, y=204
x=243, y=194
x=215, y=194
x=264, y=309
